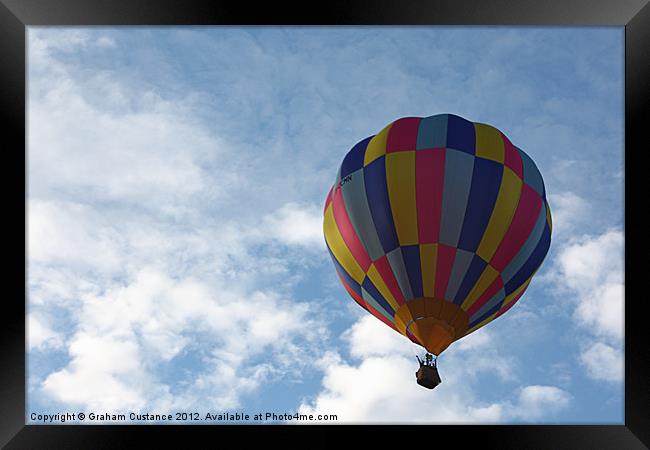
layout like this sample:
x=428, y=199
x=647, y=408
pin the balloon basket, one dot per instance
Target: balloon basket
x=428, y=377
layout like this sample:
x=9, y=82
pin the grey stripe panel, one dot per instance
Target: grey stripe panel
x=458, y=180
x=396, y=261
x=432, y=132
x=532, y=177
x=461, y=264
x=356, y=204
x=498, y=298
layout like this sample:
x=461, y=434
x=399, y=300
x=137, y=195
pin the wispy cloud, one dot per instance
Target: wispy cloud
x=588, y=275
x=41, y=336
x=296, y=225
x=378, y=383
x=176, y=183
x=128, y=332
x=603, y=362
x=591, y=267
x=123, y=197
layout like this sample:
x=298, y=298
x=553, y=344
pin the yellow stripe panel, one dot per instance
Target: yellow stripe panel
x=548, y=217
x=400, y=177
x=485, y=280
x=378, y=281
x=403, y=315
x=489, y=143
x=504, y=210
x=377, y=146
x=428, y=258
x=337, y=245
x=400, y=325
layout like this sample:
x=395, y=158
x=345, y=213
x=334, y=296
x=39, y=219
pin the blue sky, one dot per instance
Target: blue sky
x=175, y=252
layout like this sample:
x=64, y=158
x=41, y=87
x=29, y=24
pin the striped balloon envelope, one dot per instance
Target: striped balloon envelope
x=436, y=226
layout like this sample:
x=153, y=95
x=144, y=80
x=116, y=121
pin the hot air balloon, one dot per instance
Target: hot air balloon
x=436, y=226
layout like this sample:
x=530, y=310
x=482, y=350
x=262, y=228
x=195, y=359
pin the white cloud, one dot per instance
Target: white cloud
x=158, y=214
x=369, y=337
x=125, y=334
x=568, y=210
x=40, y=334
x=588, y=271
x=295, y=224
x=66, y=40
x=536, y=402
x=106, y=42
x=592, y=267
x=381, y=388
x=71, y=233
x=135, y=157
x=603, y=362
x=105, y=374
x=134, y=239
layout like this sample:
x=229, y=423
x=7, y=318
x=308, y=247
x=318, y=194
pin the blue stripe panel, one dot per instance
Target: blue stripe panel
x=356, y=204
x=461, y=134
x=396, y=261
x=377, y=193
x=524, y=253
x=353, y=161
x=532, y=264
x=346, y=276
x=458, y=180
x=486, y=182
x=372, y=302
x=532, y=177
x=432, y=132
x=374, y=293
x=472, y=275
x=411, y=254
x=478, y=319
x=490, y=307
x=462, y=261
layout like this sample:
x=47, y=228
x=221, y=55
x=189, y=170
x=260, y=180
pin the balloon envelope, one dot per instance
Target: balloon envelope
x=436, y=226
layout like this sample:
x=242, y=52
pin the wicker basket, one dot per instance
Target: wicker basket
x=428, y=377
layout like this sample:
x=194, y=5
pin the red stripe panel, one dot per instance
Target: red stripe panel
x=403, y=134
x=509, y=305
x=347, y=231
x=328, y=200
x=444, y=263
x=386, y=273
x=512, y=158
x=496, y=285
x=429, y=181
x=520, y=228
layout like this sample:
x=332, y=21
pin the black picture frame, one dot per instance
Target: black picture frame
x=16, y=15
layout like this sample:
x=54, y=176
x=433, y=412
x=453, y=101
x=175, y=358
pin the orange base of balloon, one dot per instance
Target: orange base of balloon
x=435, y=323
